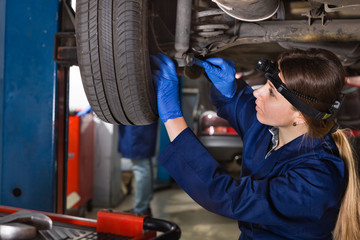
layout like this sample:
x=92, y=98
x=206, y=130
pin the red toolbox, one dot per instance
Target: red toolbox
x=80, y=162
x=109, y=225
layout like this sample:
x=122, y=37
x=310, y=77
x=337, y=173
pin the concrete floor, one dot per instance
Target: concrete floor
x=196, y=223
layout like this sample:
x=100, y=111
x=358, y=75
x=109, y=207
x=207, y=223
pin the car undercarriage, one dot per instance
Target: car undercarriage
x=239, y=29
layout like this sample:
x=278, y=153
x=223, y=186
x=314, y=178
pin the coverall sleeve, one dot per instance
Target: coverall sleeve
x=300, y=193
x=238, y=110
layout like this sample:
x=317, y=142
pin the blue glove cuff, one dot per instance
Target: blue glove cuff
x=231, y=93
x=170, y=115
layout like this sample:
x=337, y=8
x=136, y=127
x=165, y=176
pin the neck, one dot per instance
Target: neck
x=289, y=133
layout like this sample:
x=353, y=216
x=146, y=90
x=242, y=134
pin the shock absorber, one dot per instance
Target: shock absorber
x=182, y=34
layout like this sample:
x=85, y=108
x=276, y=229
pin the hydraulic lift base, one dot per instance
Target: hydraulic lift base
x=109, y=224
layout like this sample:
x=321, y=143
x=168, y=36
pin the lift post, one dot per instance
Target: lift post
x=33, y=107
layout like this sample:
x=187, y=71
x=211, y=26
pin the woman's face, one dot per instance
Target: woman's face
x=272, y=108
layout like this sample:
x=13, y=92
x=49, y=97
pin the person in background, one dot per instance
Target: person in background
x=138, y=144
x=299, y=178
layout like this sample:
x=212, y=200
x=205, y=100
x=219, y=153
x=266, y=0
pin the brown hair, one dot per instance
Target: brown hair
x=319, y=74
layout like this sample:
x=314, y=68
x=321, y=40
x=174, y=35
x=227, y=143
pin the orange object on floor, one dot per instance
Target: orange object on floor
x=125, y=224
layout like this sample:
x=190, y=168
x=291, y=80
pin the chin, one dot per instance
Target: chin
x=258, y=116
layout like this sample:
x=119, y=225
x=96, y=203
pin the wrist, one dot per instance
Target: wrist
x=231, y=90
x=175, y=126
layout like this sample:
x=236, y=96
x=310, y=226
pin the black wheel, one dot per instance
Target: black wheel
x=112, y=49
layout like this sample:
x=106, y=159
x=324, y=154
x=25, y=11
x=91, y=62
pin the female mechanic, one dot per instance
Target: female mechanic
x=299, y=178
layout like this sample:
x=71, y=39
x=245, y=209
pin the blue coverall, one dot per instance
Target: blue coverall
x=138, y=144
x=294, y=193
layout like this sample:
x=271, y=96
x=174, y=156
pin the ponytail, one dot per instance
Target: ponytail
x=348, y=221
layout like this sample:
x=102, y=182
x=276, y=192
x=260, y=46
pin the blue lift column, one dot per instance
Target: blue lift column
x=29, y=133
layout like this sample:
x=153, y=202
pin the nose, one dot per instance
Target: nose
x=257, y=92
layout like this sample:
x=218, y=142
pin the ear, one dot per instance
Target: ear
x=299, y=118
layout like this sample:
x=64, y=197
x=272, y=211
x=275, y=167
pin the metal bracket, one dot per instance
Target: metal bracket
x=65, y=39
x=65, y=49
x=311, y=16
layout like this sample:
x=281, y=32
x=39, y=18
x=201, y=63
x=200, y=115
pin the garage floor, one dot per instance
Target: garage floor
x=174, y=205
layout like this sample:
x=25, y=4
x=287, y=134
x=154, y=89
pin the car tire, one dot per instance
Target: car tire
x=112, y=51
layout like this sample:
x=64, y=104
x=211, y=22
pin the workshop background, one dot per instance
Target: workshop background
x=57, y=156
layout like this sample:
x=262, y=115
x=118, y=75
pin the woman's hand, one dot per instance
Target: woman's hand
x=167, y=92
x=167, y=87
x=222, y=74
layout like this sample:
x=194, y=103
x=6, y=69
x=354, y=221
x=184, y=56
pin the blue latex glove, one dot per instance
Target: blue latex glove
x=167, y=87
x=221, y=73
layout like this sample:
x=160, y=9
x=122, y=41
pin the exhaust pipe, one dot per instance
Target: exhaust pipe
x=249, y=10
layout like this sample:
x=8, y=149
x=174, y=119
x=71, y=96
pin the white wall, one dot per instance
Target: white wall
x=77, y=97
